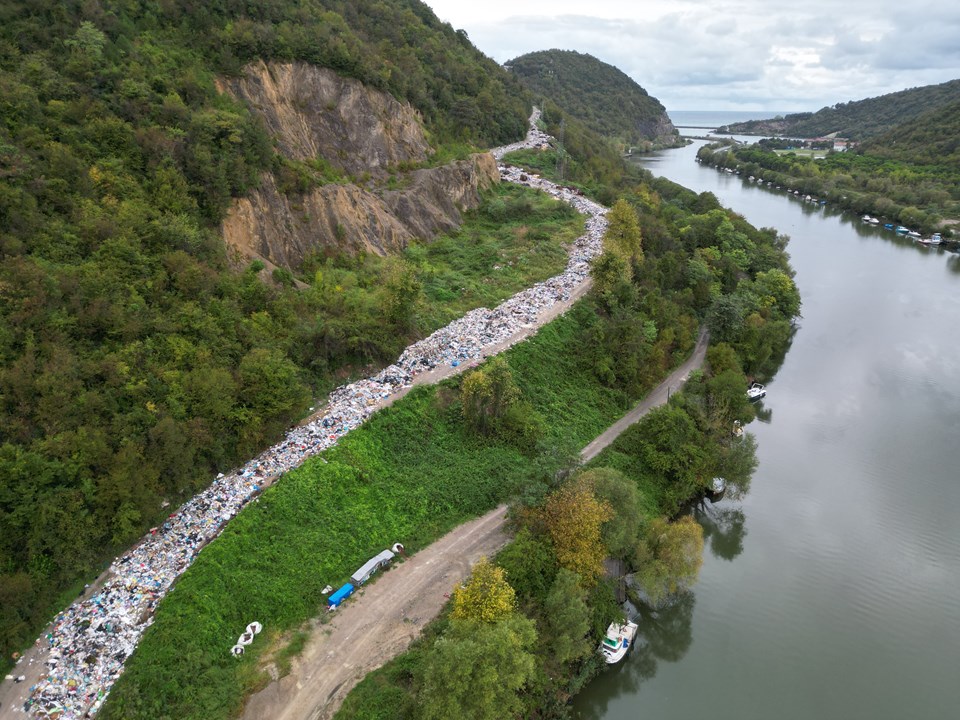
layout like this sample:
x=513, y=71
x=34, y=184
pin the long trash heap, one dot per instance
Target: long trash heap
x=90, y=640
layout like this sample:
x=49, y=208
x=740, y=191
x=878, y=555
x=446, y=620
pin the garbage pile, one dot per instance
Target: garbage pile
x=90, y=640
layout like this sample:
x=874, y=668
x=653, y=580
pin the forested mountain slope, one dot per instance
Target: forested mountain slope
x=601, y=96
x=860, y=119
x=134, y=362
x=931, y=139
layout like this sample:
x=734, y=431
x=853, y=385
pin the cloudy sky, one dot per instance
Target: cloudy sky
x=733, y=54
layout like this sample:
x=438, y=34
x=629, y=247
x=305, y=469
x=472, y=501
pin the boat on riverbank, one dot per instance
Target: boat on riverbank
x=617, y=641
x=756, y=391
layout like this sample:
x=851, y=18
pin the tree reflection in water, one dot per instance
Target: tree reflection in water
x=664, y=634
x=723, y=528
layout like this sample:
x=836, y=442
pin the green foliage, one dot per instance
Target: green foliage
x=486, y=396
x=530, y=566
x=861, y=119
x=601, y=96
x=486, y=596
x=573, y=517
x=566, y=619
x=622, y=494
x=669, y=557
x=475, y=670
x=912, y=183
x=623, y=232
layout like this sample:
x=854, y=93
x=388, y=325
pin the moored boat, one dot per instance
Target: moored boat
x=756, y=391
x=617, y=641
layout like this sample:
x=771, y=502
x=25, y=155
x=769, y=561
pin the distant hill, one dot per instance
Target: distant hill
x=604, y=98
x=860, y=119
x=931, y=139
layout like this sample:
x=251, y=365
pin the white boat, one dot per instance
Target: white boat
x=756, y=391
x=902, y=229
x=718, y=487
x=914, y=234
x=617, y=641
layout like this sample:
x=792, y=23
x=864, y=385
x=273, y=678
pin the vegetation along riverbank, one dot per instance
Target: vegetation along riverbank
x=421, y=466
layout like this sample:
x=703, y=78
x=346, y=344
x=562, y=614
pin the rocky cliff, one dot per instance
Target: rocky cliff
x=284, y=229
x=312, y=112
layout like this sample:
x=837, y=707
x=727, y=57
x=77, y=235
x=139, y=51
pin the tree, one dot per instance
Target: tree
x=668, y=558
x=487, y=395
x=574, y=517
x=486, y=596
x=672, y=453
x=567, y=618
x=402, y=289
x=621, y=531
x=475, y=670
x=530, y=566
x=623, y=232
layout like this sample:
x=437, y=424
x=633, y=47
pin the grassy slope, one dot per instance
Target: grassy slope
x=410, y=474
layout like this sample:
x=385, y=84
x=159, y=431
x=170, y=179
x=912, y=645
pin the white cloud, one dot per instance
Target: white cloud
x=734, y=54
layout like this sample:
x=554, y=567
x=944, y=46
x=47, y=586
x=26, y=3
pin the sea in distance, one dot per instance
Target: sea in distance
x=717, y=118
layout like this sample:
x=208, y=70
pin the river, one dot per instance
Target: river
x=833, y=589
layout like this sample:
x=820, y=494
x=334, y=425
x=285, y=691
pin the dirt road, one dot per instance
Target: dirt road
x=371, y=630
x=380, y=624
x=658, y=396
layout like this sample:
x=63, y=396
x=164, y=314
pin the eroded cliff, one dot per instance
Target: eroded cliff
x=314, y=113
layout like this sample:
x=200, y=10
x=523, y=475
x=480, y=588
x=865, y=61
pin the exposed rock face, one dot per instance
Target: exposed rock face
x=313, y=112
x=285, y=229
x=662, y=131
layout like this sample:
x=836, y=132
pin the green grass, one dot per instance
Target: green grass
x=517, y=238
x=410, y=474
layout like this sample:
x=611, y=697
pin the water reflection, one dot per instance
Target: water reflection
x=724, y=528
x=664, y=634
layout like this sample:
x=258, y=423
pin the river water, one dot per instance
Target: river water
x=833, y=589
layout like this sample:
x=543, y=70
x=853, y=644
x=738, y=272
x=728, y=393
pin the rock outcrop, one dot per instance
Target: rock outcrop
x=313, y=112
x=285, y=229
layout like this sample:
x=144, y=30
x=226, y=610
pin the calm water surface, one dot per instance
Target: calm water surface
x=833, y=589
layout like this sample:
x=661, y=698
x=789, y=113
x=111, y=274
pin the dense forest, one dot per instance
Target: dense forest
x=921, y=196
x=860, y=119
x=134, y=362
x=932, y=139
x=602, y=97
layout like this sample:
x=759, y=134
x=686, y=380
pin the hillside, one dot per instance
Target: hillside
x=931, y=139
x=859, y=119
x=135, y=360
x=604, y=98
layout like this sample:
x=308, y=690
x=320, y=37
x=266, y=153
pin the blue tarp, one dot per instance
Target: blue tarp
x=340, y=595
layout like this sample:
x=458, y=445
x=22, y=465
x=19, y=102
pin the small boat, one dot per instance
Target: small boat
x=718, y=486
x=914, y=234
x=617, y=641
x=756, y=391
x=888, y=226
x=936, y=239
x=866, y=219
x=874, y=221
x=902, y=229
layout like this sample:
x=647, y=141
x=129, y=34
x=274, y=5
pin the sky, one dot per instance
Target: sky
x=733, y=55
